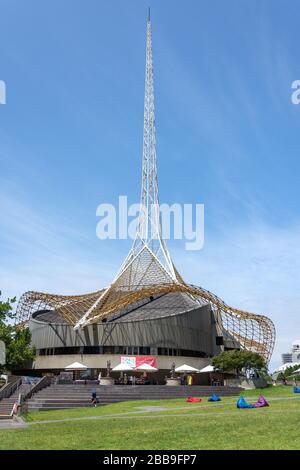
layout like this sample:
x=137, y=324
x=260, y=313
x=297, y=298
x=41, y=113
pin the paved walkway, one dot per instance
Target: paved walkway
x=13, y=423
x=151, y=408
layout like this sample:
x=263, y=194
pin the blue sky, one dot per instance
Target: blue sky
x=71, y=138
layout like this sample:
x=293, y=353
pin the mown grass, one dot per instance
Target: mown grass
x=133, y=406
x=180, y=426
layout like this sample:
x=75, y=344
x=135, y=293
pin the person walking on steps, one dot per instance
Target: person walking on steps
x=94, y=398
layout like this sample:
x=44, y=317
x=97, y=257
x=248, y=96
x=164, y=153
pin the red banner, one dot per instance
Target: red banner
x=145, y=360
x=136, y=361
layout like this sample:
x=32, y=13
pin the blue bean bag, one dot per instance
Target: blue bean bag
x=296, y=390
x=241, y=403
x=214, y=397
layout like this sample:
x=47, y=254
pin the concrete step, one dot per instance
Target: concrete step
x=126, y=387
x=56, y=407
x=75, y=396
x=139, y=390
x=128, y=396
x=6, y=408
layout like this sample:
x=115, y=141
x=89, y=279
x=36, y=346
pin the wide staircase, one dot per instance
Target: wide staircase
x=72, y=396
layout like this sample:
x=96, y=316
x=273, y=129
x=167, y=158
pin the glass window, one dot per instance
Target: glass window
x=144, y=351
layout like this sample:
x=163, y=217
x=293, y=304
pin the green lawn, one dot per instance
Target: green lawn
x=180, y=426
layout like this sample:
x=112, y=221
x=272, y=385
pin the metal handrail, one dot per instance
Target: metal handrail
x=42, y=383
x=10, y=388
x=34, y=388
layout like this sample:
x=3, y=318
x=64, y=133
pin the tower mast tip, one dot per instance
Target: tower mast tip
x=148, y=13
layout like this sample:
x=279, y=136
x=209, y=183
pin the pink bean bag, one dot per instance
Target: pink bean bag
x=261, y=402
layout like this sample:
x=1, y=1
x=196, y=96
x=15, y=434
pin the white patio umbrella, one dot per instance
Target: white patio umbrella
x=76, y=366
x=122, y=368
x=208, y=368
x=147, y=368
x=186, y=368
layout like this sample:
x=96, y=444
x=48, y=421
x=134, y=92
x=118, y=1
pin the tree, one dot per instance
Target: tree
x=287, y=372
x=17, y=341
x=6, y=310
x=238, y=360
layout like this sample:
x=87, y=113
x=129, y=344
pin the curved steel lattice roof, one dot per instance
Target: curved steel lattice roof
x=254, y=332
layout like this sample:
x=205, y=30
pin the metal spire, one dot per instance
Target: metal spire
x=149, y=232
x=148, y=263
x=149, y=193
